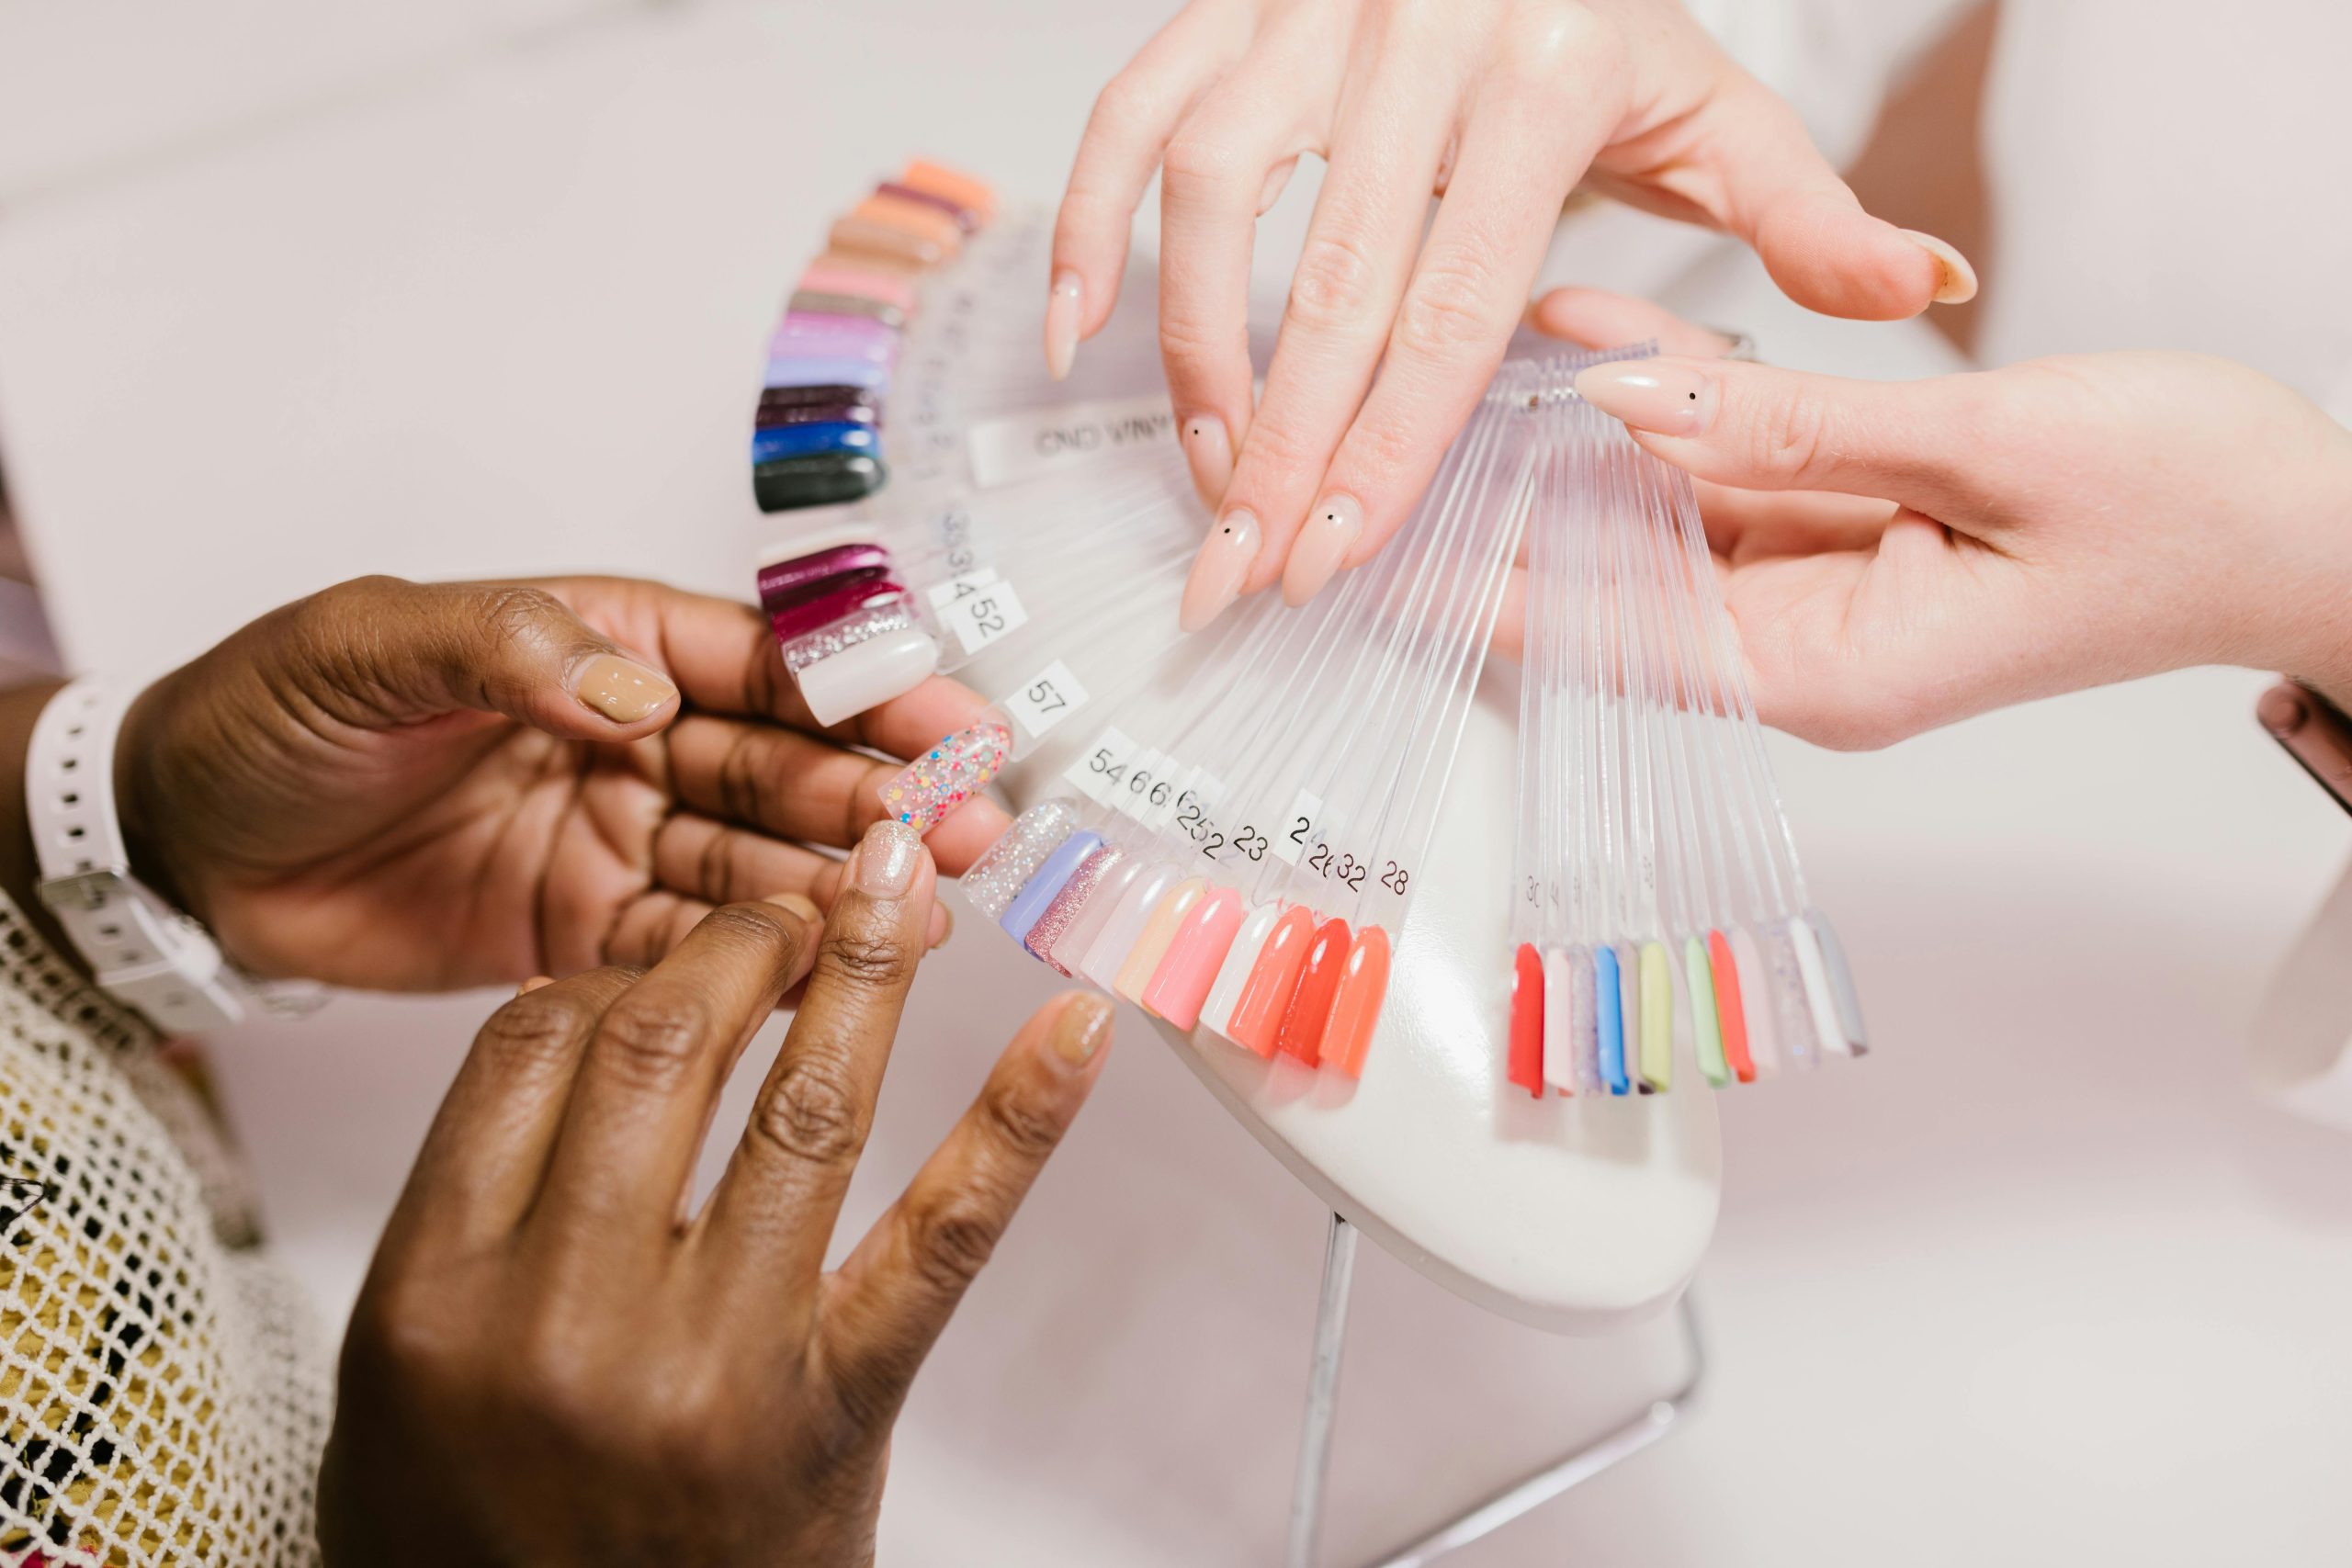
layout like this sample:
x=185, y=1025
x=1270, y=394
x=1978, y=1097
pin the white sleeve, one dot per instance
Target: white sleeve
x=1834, y=60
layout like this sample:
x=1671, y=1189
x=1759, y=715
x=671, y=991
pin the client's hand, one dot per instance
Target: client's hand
x=553, y=1361
x=1900, y=555
x=412, y=787
x=1502, y=106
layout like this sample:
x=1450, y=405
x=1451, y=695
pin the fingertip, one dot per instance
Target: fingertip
x=1064, y=303
x=624, y=692
x=1322, y=546
x=1080, y=1030
x=1955, y=276
x=1829, y=254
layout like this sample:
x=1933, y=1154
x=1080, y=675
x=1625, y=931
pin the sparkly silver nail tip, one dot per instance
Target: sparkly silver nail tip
x=1037, y=832
x=826, y=641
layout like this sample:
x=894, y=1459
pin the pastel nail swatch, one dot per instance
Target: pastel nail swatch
x=837, y=347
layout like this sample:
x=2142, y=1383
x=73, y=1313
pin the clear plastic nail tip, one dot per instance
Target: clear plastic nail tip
x=1013, y=859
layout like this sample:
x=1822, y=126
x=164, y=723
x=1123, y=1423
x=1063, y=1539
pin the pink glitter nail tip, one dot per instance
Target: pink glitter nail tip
x=950, y=773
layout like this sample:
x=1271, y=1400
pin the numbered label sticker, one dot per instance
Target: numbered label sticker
x=1045, y=700
x=1296, y=830
x=1104, y=767
x=981, y=618
x=1146, y=779
x=945, y=593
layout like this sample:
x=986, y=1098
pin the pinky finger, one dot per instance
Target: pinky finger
x=897, y=1291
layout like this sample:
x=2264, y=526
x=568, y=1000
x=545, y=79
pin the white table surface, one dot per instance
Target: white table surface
x=481, y=292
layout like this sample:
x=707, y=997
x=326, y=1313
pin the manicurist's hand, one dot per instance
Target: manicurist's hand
x=554, y=1362
x=1502, y=106
x=406, y=786
x=1900, y=555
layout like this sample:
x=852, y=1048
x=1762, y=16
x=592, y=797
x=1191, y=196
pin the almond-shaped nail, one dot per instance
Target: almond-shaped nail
x=1225, y=560
x=1208, y=446
x=1081, y=1030
x=1955, y=279
x=1663, y=396
x=923, y=792
x=1331, y=531
x=1061, y=323
x=886, y=859
x=621, y=689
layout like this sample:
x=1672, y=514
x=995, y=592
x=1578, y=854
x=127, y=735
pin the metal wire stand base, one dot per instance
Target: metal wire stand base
x=1530, y=1491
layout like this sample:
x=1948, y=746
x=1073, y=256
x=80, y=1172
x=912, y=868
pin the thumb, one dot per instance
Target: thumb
x=377, y=651
x=1758, y=427
x=1774, y=189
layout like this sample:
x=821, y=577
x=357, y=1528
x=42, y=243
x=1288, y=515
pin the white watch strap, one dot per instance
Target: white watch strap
x=142, y=949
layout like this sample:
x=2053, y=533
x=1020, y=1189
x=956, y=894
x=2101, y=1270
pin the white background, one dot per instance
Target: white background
x=292, y=289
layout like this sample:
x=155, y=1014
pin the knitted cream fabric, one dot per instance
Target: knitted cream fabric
x=164, y=1397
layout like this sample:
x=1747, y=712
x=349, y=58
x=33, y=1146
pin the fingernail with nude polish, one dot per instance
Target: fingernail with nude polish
x=798, y=906
x=533, y=984
x=1209, y=448
x=1331, y=531
x=1663, y=396
x=1081, y=1030
x=943, y=926
x=1225, y=560
x=621, y=689
x=1955, y=279
x=1061, y=323
x=886, y=859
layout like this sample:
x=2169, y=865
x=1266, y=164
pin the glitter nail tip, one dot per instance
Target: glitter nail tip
x=891, y=615
x=927, y=789
x=997, y=878
x=1044, y=935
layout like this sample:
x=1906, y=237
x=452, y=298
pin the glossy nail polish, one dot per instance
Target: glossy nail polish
x=1117, y=873
x=1308, y=1015
x=1706, y=1027
x=1609, y=1020
x=835, y=601
x=1657, y=1057
x=1841, y=984
x=1561, y=1003
x=1524, y=1064
x=886, y=860
x=769, y=416
x=998, y=876
x=870, y=376
x=916, y=219
x=1062, y=306
x=1355, y=1010
x=795, y=578
x=621, y=689
x=1045, y=938
x=1265, y=996
x=814, y=481
x=934, y=785
x=883, y=286
x=774, y=399
x=967, y=191
x=866, y=673
x=776, y=443
x=1240, y=958
x=1663, y=396
x=1730, y=1016
x=1584, y=1025
x=1331, y=531
x=1955, y=279
x=1813, y=973
x=1756, y=1003
x=1037, y=894
x=1225, y=560
x=963, y=217
x=1181, y=984
x=1110, y=951
x=1152, y=942
x=860, y=236
x=828, y=302
x=1080, y=1030
x=821, y=337
x=1208, y=448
